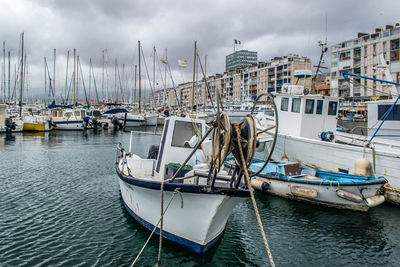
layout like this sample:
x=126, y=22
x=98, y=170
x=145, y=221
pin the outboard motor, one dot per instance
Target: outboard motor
x=10, y=126
x=117, y=124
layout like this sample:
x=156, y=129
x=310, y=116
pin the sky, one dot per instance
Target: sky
x=272, y=28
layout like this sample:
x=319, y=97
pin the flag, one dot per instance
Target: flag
x=237, y=42
x=182, y=63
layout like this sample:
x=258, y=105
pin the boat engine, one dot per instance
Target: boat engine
x=10, y=125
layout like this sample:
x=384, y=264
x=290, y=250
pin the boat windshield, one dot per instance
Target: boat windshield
x=183, y=132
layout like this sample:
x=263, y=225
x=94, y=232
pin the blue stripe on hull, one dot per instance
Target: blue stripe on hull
x=192, y=246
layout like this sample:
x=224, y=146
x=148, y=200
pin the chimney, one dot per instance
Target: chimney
x=361, y=34
x=389, y=27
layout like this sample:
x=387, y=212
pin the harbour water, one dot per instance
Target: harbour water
x=60, y=206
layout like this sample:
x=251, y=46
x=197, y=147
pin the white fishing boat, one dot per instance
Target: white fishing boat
x=197, y=216
x=307, y=133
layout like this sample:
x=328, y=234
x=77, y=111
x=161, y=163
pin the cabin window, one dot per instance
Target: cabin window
x=296, y=105
x=54, y=113
x=183, y=132
x=332, y=109
x=309, y=109
x=394, y=114
x=320, y=104
x=77, y=113
x=285, y=104
x=82, y=113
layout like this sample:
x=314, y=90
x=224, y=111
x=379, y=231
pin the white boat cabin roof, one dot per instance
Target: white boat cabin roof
x=376, y=113
x=306, y=115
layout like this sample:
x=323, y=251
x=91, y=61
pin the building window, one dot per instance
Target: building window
x=320, y=104
x=296, y=105
x=334, y=64
x=384, y=46
x=285, y=104
x=365, y=51
x=332, y=109
x=309, y=109
x=394, y=114
x=374, y=48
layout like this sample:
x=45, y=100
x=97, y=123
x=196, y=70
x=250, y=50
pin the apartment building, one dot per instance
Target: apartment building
x=366, y=55
x=242, y=83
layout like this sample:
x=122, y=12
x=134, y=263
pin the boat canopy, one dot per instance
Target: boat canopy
x=115, y=111
x=54, y=105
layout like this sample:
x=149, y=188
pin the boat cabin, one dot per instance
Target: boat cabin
x=177, y=141
x=306, y=116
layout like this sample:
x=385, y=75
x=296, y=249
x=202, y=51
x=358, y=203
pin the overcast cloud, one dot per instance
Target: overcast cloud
x=272, y=28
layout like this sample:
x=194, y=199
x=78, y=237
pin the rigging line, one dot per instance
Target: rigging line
x=48, y=74
x=120, y=84
x=173, y=85
x=147, y=71
x=69, y=89
x=83, y=82
x=354, y=82
x=206, y=83
x=159, y=69
x=94, y=83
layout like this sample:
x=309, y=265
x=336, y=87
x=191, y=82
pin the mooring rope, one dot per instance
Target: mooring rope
x=246, y=174
x=176, y=191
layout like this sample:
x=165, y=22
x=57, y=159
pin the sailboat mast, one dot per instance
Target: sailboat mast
x=90, y=78
x=102, y=79
x=22, y=72
x=9, y=77
x=74, y=76
x=4, y=69
x=134, y=93
x=140, y=86
x=194, y=73
x=66, y=76
x=115, y=82
x=54, y=73
x=154, y=70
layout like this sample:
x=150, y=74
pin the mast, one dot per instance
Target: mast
x=4, y=69
x=54, y=73
x=45, y=77
x=140, y=86
x=74, y=76
x=90, y=78
x=102, y=79
x=115, y=81
x=154, y=71
x=66, y=76
x=9, y=77
x=165, y=76
x=134, y=94
x=194, y=73
x=22, y=72
x=123, y=83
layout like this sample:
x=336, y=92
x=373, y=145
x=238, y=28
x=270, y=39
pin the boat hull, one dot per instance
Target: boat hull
x=68, y=125
x=194, y=220
x=37, y=127
x=326, y=195
x=329, y=156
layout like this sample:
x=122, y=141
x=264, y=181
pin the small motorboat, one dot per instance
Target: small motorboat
x=333, y=189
